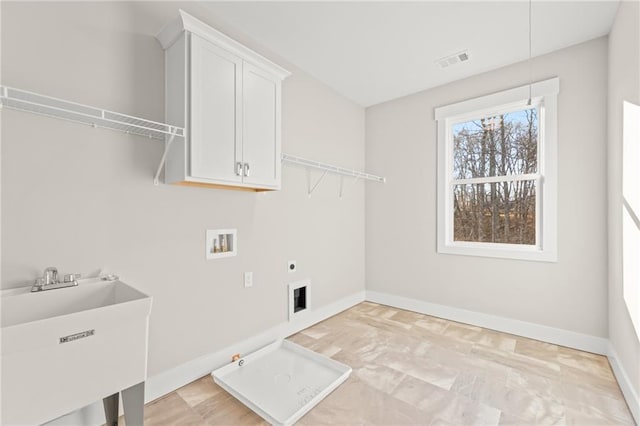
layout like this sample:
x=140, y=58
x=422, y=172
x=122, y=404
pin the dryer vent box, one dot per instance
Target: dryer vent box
x=298, y=298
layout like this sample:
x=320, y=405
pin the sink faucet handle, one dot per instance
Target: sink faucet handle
x=50, y=275
x=69, y=278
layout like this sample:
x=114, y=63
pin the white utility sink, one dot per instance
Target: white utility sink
x=66, y=348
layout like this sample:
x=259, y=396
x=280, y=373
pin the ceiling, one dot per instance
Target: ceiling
x=372, y=52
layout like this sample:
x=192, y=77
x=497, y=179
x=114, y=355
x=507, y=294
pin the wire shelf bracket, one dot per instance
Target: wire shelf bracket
x=52, y=107
x=315, y=185
x=329, y=168
x=163, y=160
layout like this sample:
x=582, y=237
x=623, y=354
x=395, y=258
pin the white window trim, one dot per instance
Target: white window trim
x=544, y=95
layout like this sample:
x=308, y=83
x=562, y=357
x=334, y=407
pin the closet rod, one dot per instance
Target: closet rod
x=292, y=159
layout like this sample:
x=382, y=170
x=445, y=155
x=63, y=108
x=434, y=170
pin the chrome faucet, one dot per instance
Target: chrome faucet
x=49, y=280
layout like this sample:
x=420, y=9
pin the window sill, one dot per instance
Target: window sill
x=500, y=251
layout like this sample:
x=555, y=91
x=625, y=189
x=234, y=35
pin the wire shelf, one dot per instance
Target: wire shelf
x=331, y=168
x=95, y=117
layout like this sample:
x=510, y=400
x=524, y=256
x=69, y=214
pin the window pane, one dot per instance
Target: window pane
x=503, y=212
x=500, y=145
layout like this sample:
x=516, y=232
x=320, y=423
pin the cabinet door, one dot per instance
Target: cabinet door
x=261, y=127
x=215, y=112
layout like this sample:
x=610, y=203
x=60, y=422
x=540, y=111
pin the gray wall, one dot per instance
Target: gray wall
x=401, y=257
x=624, y=85
x=83, y=199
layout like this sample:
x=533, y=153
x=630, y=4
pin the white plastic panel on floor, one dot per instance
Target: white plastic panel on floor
x=282, y=381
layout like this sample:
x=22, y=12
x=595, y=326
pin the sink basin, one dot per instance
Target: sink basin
x=66, y=348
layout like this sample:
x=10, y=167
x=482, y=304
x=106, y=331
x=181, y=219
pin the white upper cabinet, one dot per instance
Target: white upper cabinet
x=228, y=99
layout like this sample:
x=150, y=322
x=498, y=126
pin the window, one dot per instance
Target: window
x=497, y=174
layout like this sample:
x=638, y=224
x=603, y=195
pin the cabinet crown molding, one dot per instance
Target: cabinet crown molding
x=185, y=22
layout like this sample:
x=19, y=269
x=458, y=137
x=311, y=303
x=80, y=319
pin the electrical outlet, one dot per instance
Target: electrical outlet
x=248, y=279
x=291, y=266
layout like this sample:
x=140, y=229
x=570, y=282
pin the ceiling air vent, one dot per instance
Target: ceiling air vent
x=453, y=59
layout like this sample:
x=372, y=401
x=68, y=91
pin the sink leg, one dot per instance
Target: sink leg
x=111, y=409
x=133, y=404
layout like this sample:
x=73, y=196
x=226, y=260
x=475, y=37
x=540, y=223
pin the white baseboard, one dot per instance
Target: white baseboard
x=544, y=333
x=630, y=395
x=168, y=381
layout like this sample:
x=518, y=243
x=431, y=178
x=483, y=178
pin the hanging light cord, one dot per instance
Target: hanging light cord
x=529, y=61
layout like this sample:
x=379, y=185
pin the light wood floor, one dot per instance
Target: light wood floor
x=416, y=369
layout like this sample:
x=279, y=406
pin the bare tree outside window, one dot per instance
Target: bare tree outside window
x=493, y=198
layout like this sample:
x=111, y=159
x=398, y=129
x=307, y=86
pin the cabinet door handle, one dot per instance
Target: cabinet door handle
x=238, y=168
x=247, y=169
